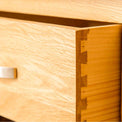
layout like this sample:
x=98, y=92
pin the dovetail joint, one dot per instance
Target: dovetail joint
x=83, y=58
x=84, y=104
x=84, y=81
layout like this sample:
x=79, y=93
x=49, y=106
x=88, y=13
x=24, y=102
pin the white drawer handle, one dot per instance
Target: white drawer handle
x=8, y=72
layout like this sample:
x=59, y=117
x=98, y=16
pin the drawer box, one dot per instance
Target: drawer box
x=65, y=73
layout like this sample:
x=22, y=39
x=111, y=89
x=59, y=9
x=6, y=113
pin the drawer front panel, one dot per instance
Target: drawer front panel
x=44, y=56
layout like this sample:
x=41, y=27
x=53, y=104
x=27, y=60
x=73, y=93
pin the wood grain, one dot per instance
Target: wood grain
x=64, y=73
x=102, y=10
x=103, y=74
x=45, y=58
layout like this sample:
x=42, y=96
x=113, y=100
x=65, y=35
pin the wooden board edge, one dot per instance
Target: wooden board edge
x=81, y=81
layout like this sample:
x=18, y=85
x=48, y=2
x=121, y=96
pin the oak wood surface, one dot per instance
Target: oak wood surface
x=102, y=10
x=102, y=69
x=64, y=73
x=44, y=55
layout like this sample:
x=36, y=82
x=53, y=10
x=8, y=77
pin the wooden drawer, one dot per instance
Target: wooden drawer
x=64, y=73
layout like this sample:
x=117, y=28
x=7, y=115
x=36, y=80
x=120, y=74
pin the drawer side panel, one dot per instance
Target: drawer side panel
x=100, y=71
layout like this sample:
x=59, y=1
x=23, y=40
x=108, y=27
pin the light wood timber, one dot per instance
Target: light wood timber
x=55, y=63
x=101, y=10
